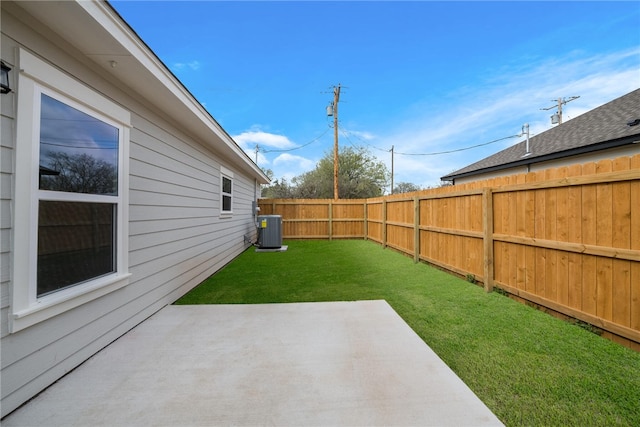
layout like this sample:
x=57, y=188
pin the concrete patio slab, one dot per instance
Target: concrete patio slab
x=321, y=364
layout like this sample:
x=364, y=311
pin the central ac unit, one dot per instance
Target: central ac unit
x=269, y=231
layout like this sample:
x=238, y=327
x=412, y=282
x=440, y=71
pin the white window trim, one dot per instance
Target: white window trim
x=226, y=173
x=37, y=77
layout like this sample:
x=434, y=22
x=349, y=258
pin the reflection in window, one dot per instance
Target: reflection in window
x=76, y=242
x=77, y=235
x=78, y=153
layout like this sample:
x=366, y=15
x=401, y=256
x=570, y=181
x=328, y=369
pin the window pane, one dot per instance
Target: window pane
x=226, y=185
x=226, y=203
x=76, y=242
x=78, y=153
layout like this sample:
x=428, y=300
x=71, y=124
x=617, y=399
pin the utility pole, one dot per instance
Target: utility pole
x=392, y=169
x=557, y=117
x=333, y=110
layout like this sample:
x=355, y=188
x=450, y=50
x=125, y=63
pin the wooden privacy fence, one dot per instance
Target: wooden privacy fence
x=566, y=238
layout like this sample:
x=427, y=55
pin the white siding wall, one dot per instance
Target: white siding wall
x=7, y=146
x=177, y=237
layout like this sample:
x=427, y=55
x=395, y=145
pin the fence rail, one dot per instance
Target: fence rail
x=566, y=238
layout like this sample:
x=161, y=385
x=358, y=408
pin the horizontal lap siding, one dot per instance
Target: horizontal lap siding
x=7, y=166
x=175, y=222
x=177, y=237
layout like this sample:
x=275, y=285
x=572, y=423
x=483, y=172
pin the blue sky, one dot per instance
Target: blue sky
x=421, y=76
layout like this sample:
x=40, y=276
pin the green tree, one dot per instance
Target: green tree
x=405, y=187
x=279, y=189
x=360, y=175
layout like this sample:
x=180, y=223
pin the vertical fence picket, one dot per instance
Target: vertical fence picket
x=621, y=238
x=384, y=223
x=635, y=244
x=416, y=229
x=551, y=263
x=604, y=237
x=589, y=231
x=574, y=235
x=562, y=233
x=540, y=233
x=529, y=231
x=487, y=237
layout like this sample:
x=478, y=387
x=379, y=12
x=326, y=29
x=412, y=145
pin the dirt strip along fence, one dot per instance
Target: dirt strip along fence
x=567, y=239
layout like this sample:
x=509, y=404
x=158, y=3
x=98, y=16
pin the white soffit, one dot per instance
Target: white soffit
x=101, y=35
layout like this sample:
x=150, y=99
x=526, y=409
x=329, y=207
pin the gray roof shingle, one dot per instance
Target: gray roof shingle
x=601, y=128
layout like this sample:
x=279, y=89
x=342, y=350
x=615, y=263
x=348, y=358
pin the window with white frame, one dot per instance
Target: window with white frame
x=226, y=191
x=71, y=194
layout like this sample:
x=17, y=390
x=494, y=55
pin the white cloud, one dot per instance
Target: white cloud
x=249, y=139
x=500, y=107
x=471, y=115
x=284, y=165
x=288, y=166
x=193, y=65
x=298, y=162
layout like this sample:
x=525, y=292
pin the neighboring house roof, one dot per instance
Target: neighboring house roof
x=605, y=127
x=104, y=38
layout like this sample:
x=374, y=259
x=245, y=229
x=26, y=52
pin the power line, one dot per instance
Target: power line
x=346, y=135
x=458, y=149
x=297, y=148
x=433, y=153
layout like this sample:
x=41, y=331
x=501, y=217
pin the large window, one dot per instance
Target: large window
x=78, y=158
x=71, y=194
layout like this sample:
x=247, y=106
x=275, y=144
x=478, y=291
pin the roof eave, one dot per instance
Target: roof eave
x=120, y=52
x=633, y=139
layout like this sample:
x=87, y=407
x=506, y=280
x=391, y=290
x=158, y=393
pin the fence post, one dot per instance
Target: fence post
x=416, y=229
x=384, y=223
x=365, y=219
x=487, y=237
x=330, y=220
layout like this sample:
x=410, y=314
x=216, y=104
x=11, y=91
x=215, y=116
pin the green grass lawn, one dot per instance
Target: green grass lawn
x=528, y=367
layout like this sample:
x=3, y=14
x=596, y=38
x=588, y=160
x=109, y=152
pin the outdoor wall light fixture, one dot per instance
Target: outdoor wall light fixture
x=4, y=82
